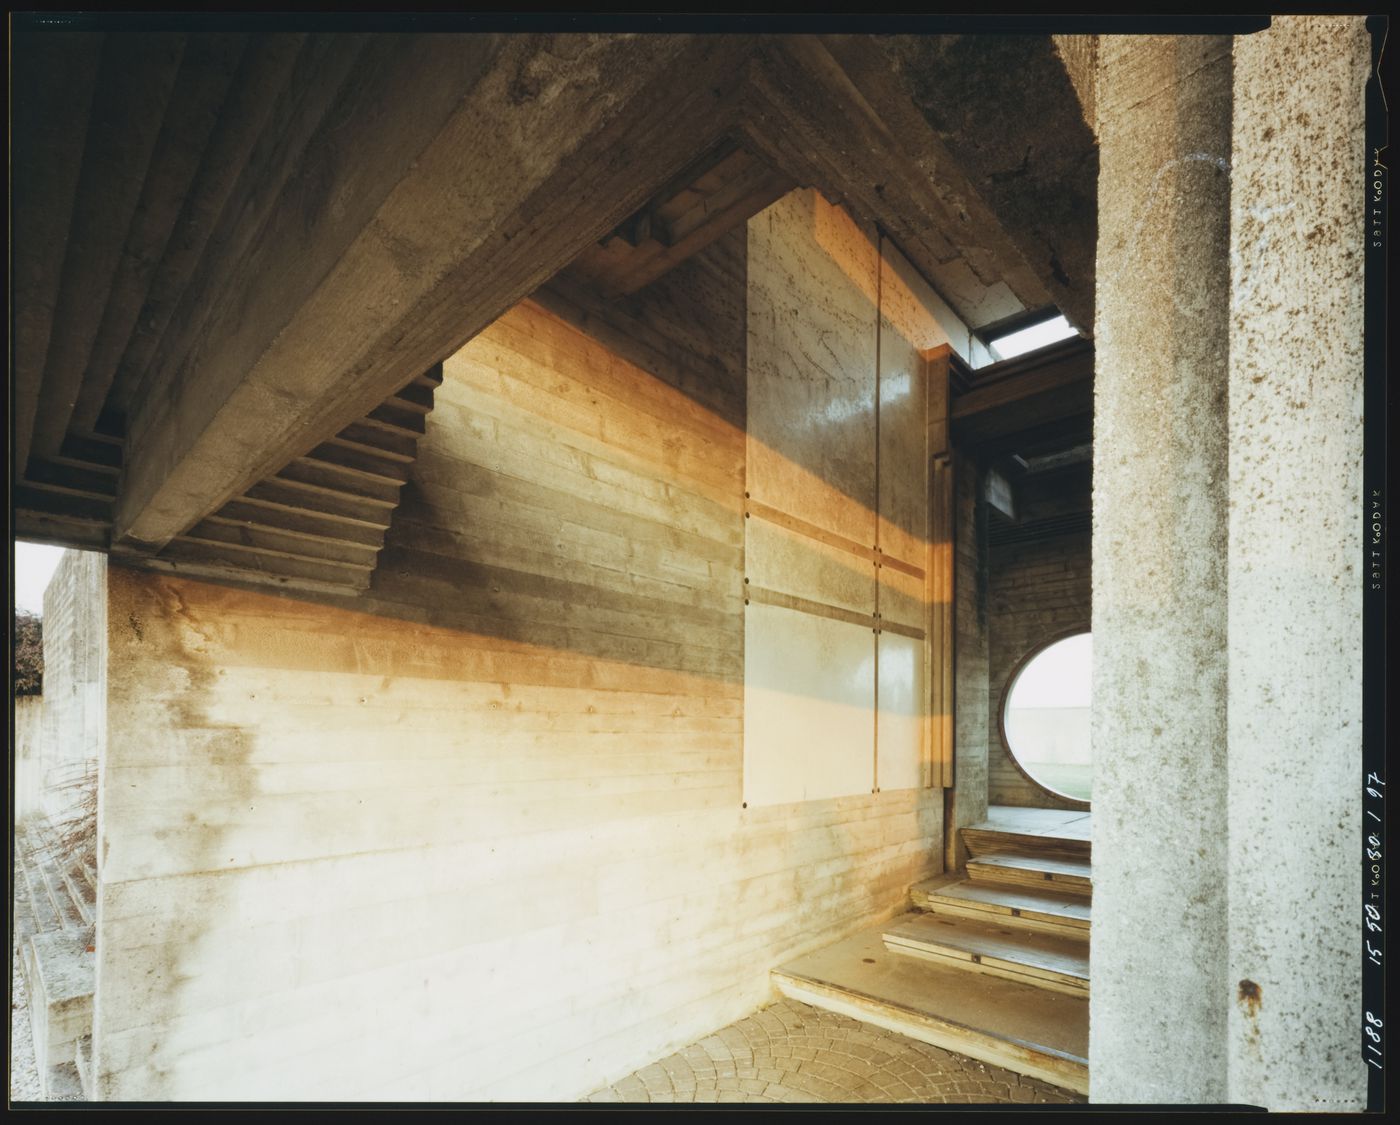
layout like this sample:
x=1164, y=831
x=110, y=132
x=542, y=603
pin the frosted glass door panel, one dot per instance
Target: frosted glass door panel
x=900, y=737
x=790, y=563
x=808, y=707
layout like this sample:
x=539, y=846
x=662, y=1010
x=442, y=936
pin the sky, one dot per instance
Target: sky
x=1058, y=677
x=34, y=566
x=1028, y=339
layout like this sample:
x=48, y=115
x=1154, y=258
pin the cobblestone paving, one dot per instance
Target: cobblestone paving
x=792, y=1052
x=24, y=1071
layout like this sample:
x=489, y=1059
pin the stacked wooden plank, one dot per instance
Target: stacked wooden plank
x=318, y=524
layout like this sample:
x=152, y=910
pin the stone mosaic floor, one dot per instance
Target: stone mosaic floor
x=791, y=1052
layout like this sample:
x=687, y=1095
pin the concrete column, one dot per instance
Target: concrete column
x=1295, y=547
x=1158, y=948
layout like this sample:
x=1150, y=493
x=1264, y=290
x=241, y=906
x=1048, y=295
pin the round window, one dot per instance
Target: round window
x=1045, y=720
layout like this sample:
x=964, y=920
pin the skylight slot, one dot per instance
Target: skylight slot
x=1030, y=338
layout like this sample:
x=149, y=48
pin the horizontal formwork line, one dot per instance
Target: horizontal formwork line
x=810, y=530
x=789, y=522
x=871, y=621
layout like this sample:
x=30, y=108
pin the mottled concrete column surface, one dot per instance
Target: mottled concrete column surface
x=1294, y=580
x=1159, y=708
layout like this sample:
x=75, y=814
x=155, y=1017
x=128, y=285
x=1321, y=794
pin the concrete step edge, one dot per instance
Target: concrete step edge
x=1035, y=1060
x=1013, y=868
x=932, y=896
x=983, y=950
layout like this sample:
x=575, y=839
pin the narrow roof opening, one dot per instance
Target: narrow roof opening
x=1020, y=337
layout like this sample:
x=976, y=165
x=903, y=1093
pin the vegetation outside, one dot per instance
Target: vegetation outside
x=28, y=653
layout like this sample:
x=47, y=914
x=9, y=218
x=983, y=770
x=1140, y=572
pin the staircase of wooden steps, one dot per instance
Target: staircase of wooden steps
x=993, y=963
x=318, y=524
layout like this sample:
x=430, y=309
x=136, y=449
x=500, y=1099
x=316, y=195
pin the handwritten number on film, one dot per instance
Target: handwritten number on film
x=1371, y=918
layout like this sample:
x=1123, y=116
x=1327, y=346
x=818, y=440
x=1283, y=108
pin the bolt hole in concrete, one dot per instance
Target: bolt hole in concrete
x=1046, y=717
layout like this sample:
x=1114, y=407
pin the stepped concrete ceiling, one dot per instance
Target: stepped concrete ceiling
x=230, y=248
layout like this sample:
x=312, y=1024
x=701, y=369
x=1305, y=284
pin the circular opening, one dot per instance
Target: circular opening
x=1046, y=718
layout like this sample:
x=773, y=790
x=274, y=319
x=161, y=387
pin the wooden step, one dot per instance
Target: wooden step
x=180, y=557
x=318, y=523
x=1051, y=912
x=996, y=949
x=99, y=455
x=391, y=419
x=1028, y=869
x=1026, y=1029
x=287, y=544
x=272, y=493
x=431, y=378
x=321, y=483
x=35, y=520
x=413, y=398
x=368, y=439
x=356, y=465
x=987, y=838
x=69, y=506
x=68, y=479
x=308, y=525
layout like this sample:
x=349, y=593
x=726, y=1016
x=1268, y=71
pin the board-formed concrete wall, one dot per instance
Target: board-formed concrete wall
x=29, y=755
x=486, y=841
x=74, y=697
x=1036, y=592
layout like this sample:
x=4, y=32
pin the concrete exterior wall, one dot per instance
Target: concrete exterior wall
x=1036, y=593
x=74, y=685
x=486, y=841
x=1295, y=586
x=1158, y=943
x=28, y=755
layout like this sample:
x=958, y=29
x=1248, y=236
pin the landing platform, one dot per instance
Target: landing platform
x=1061, y=831
x=1019, y=1026
x=1069, y=824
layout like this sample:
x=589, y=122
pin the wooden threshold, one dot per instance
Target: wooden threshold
x=1024, y=1028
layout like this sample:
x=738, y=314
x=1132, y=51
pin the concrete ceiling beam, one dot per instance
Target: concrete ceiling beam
x=446, y=183
x=1007, y=111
